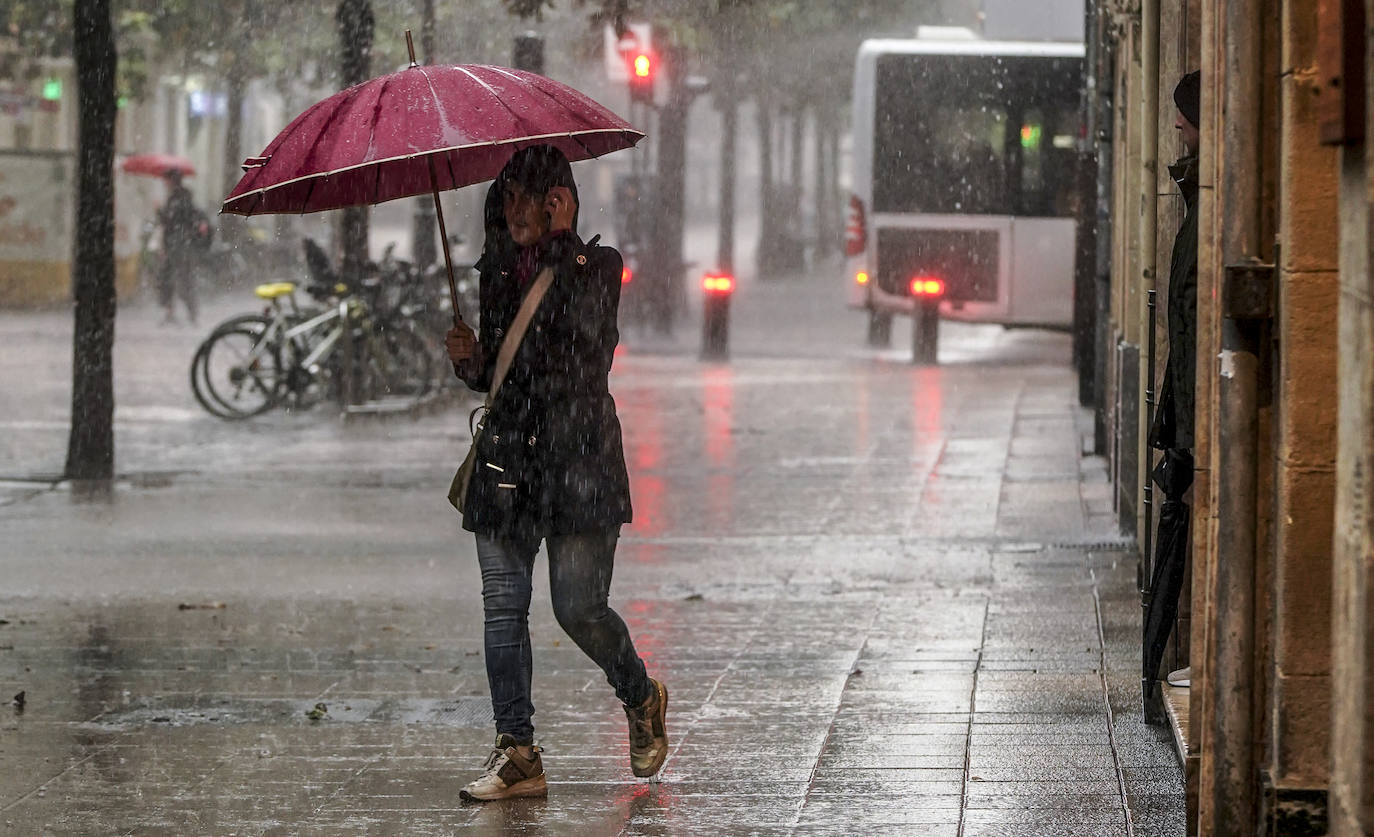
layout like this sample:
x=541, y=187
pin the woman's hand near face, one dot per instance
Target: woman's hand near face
x=460, y=343
x=561, y=207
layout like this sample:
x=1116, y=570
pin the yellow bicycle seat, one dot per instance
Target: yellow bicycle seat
x=275, y=289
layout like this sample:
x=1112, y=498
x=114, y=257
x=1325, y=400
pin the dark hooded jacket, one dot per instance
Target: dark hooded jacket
x=553, y=428
x=1173, y=422
x=178, y=217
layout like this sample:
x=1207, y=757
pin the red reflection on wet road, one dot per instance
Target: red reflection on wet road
x=644, y=457
x=719, y=419
x=927, y=408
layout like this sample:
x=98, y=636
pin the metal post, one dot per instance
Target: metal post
x=1149, y=222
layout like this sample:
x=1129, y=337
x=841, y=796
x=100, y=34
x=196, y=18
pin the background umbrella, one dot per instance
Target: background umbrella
x=157, y=165
x=418, y=131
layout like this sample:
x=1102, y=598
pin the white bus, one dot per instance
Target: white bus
x=964, y=186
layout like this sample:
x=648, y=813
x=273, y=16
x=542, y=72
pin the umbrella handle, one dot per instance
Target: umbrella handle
x=443, y=236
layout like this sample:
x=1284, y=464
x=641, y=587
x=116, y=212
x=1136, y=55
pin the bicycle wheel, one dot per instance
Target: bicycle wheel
x=234, y=375
x=199, y=386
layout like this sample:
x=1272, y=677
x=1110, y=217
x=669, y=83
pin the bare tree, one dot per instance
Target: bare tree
x=356, y=26
x=90, y=447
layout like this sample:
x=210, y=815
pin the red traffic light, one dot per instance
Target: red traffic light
x=927, y=286
x=626, y=275
x=642, y=68
x=718, y=283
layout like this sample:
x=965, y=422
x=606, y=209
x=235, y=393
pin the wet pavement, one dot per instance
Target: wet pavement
x=886, y=600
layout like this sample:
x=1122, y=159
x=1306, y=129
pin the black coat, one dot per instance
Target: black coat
x=553, y=426
x=1174, y=417
x=178, y=216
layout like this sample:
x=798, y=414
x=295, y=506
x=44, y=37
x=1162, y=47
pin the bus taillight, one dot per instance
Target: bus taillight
x=927, y=286
x=856, y=228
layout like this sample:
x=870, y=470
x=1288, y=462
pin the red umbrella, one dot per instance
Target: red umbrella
x=157, y=165
x=419, y=131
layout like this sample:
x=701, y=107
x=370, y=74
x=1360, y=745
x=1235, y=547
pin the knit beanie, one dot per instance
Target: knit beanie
x=1188, y=97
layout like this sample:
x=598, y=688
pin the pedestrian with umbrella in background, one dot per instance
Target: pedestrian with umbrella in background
x=180, y=221
x=546, y=463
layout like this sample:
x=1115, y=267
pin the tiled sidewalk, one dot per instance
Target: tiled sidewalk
x=884, y=598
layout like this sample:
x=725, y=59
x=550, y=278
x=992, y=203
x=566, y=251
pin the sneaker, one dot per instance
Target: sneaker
x=1182, y=678
x=507, y=775
x=648, y=735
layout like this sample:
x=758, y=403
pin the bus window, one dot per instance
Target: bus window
x=973, y=135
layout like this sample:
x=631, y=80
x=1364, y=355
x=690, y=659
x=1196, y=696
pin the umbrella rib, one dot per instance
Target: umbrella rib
x=559, y=103
x=494, y=95
x=547, y=95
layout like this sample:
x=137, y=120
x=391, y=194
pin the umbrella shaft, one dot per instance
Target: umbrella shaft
x=443, y=237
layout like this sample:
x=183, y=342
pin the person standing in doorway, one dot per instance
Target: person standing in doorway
x=178, y=218
x=550, y=466
x=1172, y=428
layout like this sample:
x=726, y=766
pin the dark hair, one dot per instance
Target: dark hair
x=538, y=169
x=498, y=243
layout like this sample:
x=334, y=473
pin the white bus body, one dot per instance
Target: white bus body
x=963, y=172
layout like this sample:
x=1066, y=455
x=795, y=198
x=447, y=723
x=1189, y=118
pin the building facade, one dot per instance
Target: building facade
x=1275, y=620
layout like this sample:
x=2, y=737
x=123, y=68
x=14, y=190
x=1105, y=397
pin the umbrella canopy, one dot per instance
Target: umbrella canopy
x=157, y=165
x=417, y=131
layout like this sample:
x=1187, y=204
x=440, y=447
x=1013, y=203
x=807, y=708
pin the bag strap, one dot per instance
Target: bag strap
x=516, y=333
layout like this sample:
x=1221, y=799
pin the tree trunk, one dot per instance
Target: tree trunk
x=90, y=447
x=356, y=26
x=729, y=111
x=232, y=227
x=671, y=187
x=825, y=186
x=767, y=210
x=422, y=251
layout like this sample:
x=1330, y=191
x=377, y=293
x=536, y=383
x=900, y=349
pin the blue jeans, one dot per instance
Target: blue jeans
x=579, y=583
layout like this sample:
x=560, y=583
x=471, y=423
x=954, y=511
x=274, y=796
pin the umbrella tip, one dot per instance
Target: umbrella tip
x=410, y=47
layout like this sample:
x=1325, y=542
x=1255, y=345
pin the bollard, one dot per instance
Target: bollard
x=715, y=315
x=925, y=319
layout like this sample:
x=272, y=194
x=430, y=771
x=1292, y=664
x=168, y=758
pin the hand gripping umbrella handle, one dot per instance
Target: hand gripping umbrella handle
x=443, y=236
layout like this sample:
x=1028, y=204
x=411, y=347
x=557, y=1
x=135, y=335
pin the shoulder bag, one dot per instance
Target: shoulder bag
x=458, y=489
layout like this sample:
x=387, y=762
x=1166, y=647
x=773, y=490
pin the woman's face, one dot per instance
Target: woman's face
x=525, y=214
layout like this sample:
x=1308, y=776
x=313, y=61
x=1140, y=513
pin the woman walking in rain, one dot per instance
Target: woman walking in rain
x=550, y=466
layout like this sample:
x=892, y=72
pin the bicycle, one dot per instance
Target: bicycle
x=294, y=358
